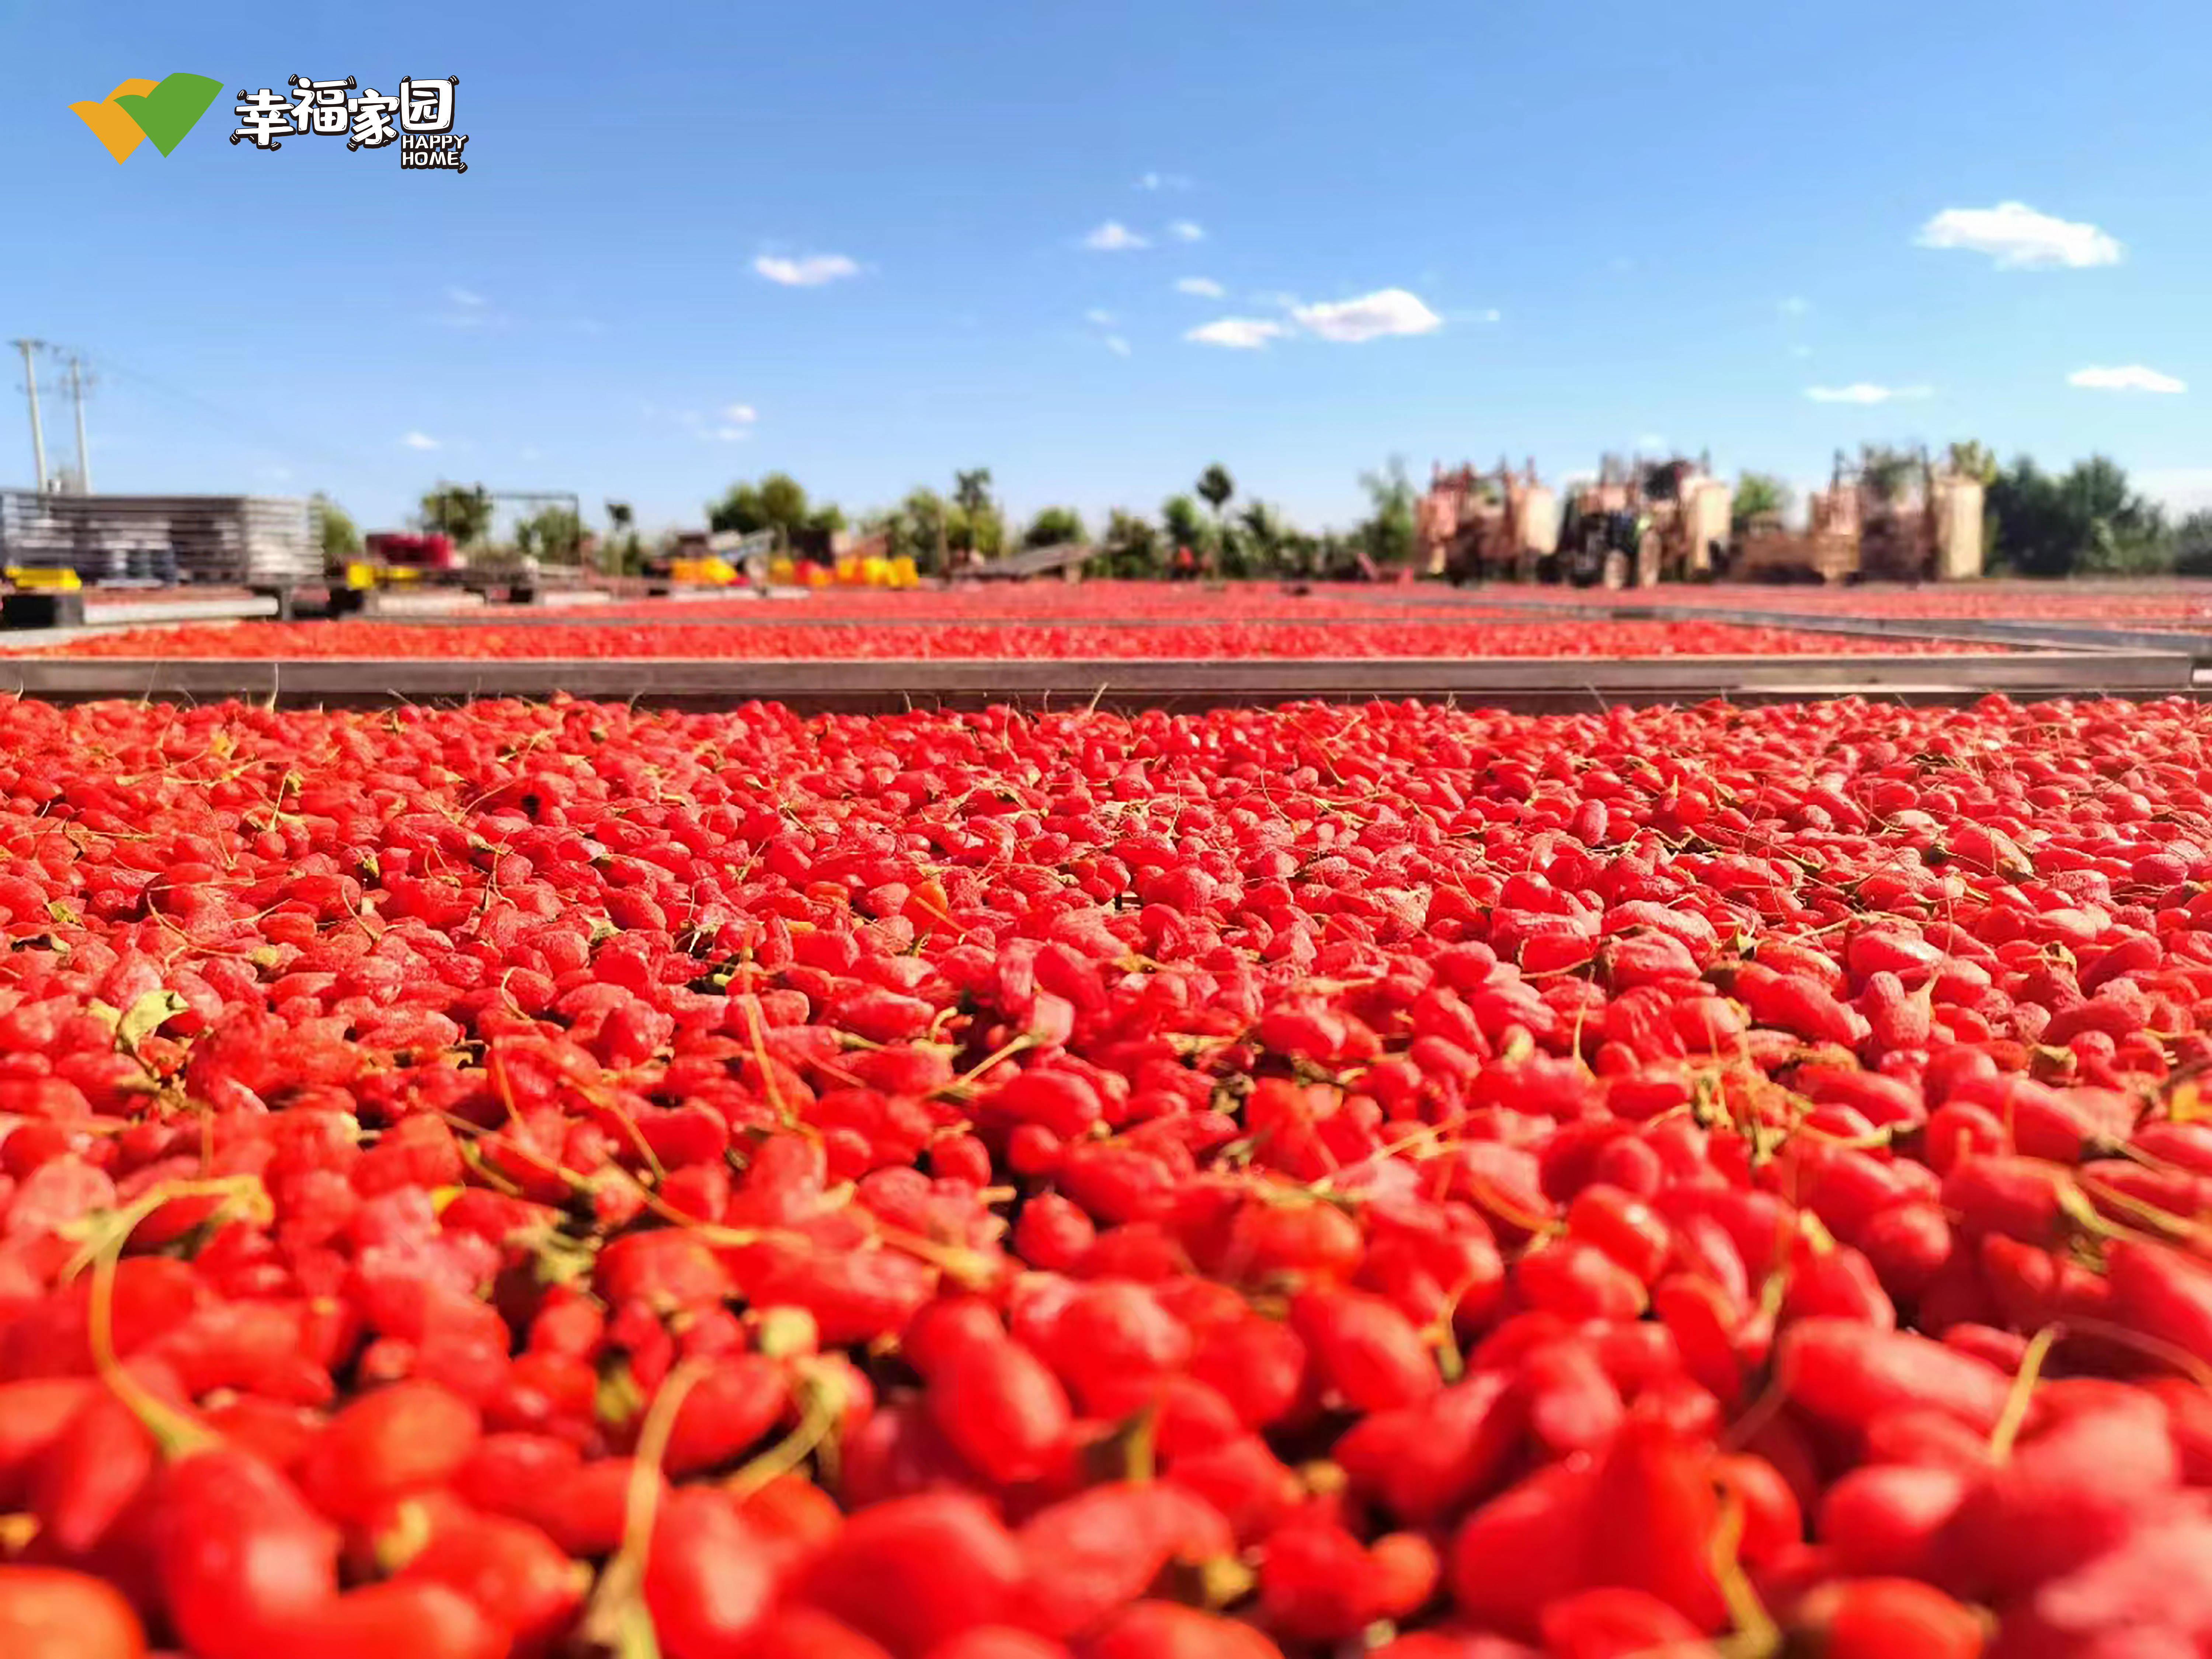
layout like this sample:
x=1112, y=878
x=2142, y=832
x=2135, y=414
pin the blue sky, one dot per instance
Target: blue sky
x=1590, y=225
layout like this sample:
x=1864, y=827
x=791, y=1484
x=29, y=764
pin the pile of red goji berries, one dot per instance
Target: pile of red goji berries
x=565, y=1180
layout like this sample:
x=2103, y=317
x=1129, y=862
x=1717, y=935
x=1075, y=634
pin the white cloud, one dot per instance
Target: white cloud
x=1370, y=317
x=1650, y=440
x=1861, y=393
x=1801, y=351
x=1239, y=333
x=1185, y=230
x=1204, y=287
x=2134, y=378
x=1163, y=181
x=1117, y=345
x=461, y=296
x=1796, y=306
x=1114, y=237
x=729, y=435
x=1100, y=319
x=419, y=441
x=741, y=414
x=2018, y=237
x=1493, y=315
x=811, y=271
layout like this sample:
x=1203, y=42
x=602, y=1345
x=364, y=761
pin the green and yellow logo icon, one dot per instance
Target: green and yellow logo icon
x=164, y=111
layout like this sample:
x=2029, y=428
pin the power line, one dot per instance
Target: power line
x=287, y=441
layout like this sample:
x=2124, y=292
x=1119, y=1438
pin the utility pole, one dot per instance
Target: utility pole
x=84, y=455
x=38, y=435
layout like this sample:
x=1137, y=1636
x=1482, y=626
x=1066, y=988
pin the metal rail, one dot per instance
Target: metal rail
x=2081, y=636
x=1532, y=683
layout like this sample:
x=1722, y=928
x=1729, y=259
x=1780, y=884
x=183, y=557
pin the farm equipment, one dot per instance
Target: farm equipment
x=1885, y=522
x=55, y=546
x=1643, y=524
x=1472, y=525
x=1632, y=523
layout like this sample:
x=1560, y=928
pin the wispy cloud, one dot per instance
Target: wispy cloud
x=1239, y=333
x=419, y=441
x=1861, y=391
x=1796, y=306
x=1115, y=237
x=1389, y=311
x=729, y=435
x=1186, y=230
x=2017, y=237
x=1117, y=345
x=530, y=452
x=1100, y=317
x=2134, y=378
x=811, y=271
x=1204, y=287
x=1370, y=317
x=741, y=414
x=1650, y=440
x=1163, y=181
x=1801, y=351
x=461, y=296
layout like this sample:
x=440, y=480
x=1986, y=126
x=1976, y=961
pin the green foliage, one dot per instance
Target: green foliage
x=1969, y=458
x=1055, y=526
x=462, y=511
x=1757, y=495
x=1215, y=487
x=341, y=540
x=777, y=502
x=1185, y=526
x=1388, y=531
x=919, y=528
x=2192, y=545
x=2086, y=519
x=1132, y=545
x=621, y=555
x=554, y=531
x=1264, y=538
x=1889, y=472
x=971, y=490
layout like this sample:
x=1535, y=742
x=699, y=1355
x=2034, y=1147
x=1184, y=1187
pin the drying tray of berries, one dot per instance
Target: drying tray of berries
x=564, y=1179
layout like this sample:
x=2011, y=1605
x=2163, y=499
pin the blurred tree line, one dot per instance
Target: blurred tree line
x=2087, y=520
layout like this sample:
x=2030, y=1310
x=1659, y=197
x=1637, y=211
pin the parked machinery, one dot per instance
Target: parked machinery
x=1897, y=519
x=1645, y=524
x=263, y=543
x=1632, y=523
x=1472, y=525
